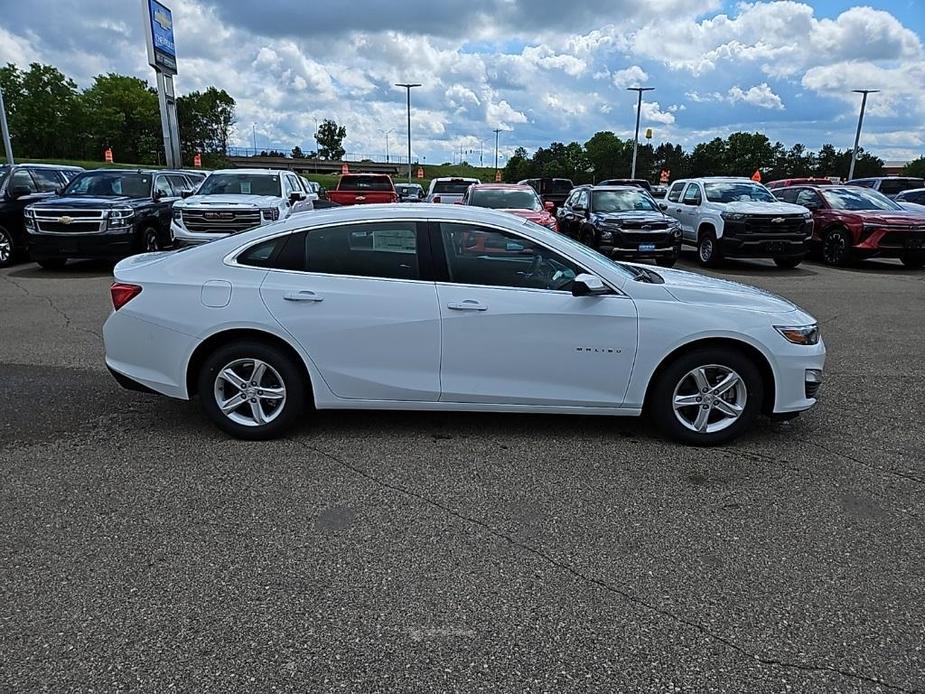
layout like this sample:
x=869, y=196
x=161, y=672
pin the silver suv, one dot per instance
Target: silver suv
x=740, y=218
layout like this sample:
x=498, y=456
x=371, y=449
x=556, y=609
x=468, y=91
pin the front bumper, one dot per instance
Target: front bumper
x=629, y=244
x=739, y=241
x=115, y=243
x=891, y=243
x=183, y=237
x=798, y=377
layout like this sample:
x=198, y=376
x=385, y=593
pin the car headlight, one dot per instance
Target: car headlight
x=120, y=217
x=177, y=214
x=270, y=214
x=799, y=334
x=606, y=235
x=733, y=216
x=808, y=216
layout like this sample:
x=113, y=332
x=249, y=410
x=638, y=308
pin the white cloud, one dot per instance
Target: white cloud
x=652, y=113
x=629, y=77
x=759, y=95
x=503, y=115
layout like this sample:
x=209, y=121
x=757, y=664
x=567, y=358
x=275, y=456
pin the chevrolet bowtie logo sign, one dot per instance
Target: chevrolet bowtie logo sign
x=163, y=19
x=777, y=220
x=65, y=219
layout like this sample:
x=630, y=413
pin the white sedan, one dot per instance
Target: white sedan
x=445, y=307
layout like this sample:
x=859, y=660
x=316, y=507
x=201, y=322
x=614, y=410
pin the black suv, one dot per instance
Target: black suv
x=21, y=185
x=621, y=222
x=107, y=213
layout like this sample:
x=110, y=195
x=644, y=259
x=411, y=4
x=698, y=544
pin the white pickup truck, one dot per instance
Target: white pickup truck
x=234, y=200
x=738, y=217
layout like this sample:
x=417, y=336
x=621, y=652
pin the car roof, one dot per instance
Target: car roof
x=504, y=186
x=249, y=171
x=68, y=167
x=622, y=186
x=141, y=171
x=455, y=178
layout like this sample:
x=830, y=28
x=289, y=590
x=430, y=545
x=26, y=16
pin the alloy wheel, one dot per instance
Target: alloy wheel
x=151, y=243
x=250, y=392
x=835, y=248
x=709, y=398
x=6, y=248
x=706, y=250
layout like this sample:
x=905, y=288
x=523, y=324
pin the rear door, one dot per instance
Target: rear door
x=358, y=299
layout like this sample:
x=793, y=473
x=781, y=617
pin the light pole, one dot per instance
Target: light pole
x=387, y=132
x=6, y=132
x=857, y=136
x=254, y=128
x=497, y=132
x=639, y=90
x=408, y=86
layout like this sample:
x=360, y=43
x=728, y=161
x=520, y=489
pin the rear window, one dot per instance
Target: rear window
x=374, y=183
x=452, y=187
x=561, y=185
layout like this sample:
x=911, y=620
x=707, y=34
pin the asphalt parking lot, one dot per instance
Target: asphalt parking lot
x=140, y=549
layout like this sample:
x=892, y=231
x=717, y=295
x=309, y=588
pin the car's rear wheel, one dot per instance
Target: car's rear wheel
x=6, y=248
x=151, y=242
x=913, y=259
x=708, y=252
x=252, y=390
x=788, y=262
x=836, y=248
x=667, y=261
x=51, y=263
x=707, y=396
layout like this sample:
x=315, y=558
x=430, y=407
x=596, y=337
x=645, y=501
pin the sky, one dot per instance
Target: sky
x=540, y=70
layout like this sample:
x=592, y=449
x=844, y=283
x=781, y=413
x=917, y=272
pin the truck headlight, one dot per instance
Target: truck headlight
x=29, y=218
x=799, y=334
x=733, y=216
x=270, y=214
x=177, y=215
x=120, y=217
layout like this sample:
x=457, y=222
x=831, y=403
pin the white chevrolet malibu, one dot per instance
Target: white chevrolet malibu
x=446, y=307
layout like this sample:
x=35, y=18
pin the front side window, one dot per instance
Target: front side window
x=22, y=180
x=241, y=184
x=692, y=195
x=386, y=250
x=787, y=194
x=582, y=202
x=808, y=198
x=106, y=184
x=47, y=180
x=674, y=195
x=488, y=257
x=162, y=187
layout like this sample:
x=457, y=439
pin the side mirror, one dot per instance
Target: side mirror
x=156, y=195
x=663, y=206
x=549, y=206
x=20, y=192
x=588, y=285
x=186, y=193
x=59, y=190
x=296, y=196
x=436, y=198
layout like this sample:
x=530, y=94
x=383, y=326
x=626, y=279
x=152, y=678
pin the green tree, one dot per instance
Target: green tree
x=673, y=159
x=122, y=112
x=330, y=139
x=42, y=110
x=916, y=168
x=608, y=154
x=709, y=158
x=205, y=120
x=297, y=153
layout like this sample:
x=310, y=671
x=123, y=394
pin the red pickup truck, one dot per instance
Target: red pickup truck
x=363, y=189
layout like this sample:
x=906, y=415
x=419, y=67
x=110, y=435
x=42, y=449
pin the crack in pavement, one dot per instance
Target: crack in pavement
x=886, y=471
x=54, y=307
x=639, y=602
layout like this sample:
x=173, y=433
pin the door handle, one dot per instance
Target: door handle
x=467, y=305
x=303, y=296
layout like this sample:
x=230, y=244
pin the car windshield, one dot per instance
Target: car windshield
x=240, y=184
x=737, y=191
x=110, y=184
x=452, y=187
x=858, y=199
x=501, y=199
x=621, y=201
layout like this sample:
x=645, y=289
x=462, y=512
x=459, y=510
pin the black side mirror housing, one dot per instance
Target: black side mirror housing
x=663, y=206
x=295, y=196
x=17, y=192
x=186, y=193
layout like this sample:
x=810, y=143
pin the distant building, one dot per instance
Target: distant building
x=893, y=168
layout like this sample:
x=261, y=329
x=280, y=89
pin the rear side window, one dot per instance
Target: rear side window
x=675, y=193
x=892, y=186
x=386, y=250
x=262, y=254
x=786, y=194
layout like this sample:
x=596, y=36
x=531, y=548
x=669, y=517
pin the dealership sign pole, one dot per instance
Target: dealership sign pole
x=639, y=90
x=162, y=56
x=857, y=136
x=6, y=132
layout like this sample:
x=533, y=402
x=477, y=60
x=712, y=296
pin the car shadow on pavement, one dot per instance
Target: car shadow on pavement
x=746, y=267
x=74, y=269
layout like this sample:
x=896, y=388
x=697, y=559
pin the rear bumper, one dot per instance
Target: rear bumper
x=108, y=244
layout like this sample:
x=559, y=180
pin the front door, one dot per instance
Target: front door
x=353, y=297
x=514, y=334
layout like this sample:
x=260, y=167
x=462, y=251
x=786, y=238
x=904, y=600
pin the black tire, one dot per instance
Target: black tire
x=914, y=259
x=283, y=368
x=660, y=403
x=708, y=252
x=7, y=248
x=51, y=263
x=668, y=261
x=150, y=242
x=586, y=236
x=788, y=262
x=836, y=248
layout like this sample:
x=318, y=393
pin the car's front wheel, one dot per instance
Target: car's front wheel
x=6, y=247
x=836, y=248
x=708, y=252
x=707, y=396
x=150, y=241
x=252, y=390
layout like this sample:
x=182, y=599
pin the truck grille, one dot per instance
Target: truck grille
x=659, y=237
x=221, y=221
x=774, y=224
x=636, y=224
x=64, y=221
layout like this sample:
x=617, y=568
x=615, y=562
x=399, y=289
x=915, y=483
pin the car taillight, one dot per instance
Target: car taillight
x=123, y=293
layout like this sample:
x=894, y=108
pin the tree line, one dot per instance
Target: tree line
x=50, y=118
x=741, y=154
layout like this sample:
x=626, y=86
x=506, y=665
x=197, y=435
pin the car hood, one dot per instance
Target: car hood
x=691, y=288
x=81, y=201
x=532, y=215
x=752, y=207
x=227, y=201
x=641, y=216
